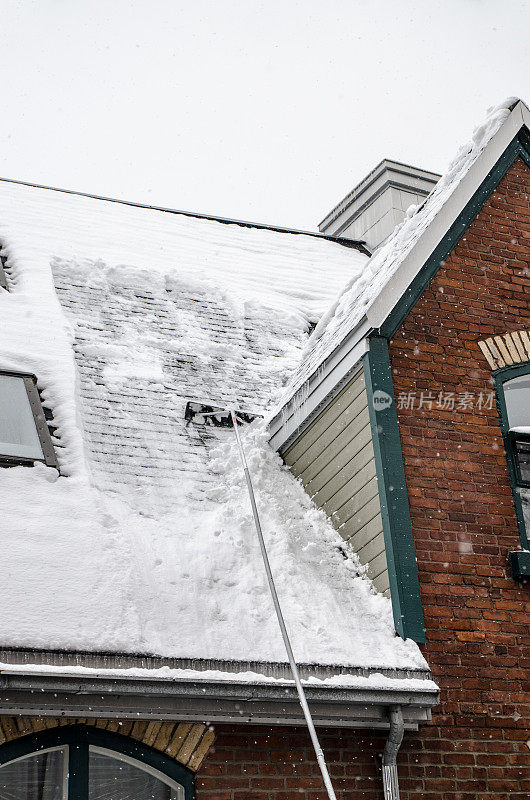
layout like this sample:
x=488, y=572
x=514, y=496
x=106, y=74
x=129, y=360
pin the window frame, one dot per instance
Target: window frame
x=59, y=748
x=49, y=458
x=500, y=377
x=3, y=277
x=513, y=438
x=79, y=738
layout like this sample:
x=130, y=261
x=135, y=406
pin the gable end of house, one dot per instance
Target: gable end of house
x=519, y=147
x=393, y=540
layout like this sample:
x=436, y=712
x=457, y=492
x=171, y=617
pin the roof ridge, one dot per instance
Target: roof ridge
x=352, y=243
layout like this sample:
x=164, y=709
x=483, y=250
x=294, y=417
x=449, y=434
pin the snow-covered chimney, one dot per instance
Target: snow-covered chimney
x=371, y=211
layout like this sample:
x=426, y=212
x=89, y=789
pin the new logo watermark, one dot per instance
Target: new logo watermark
x=430, y=401
x=381, y=400
x=445, y=401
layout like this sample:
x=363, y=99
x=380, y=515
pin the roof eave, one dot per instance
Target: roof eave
x=73, y=696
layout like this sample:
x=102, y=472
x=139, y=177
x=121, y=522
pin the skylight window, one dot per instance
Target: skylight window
x=24, y=434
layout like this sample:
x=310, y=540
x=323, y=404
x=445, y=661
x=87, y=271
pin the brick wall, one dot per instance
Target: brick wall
x=273, y=763
x=477, y=617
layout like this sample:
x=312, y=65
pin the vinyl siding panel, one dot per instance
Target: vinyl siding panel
x=334, y=459
x=352, y=418
x=323, y=422
x=362, y=518
x=336, y=449
x=331, y=481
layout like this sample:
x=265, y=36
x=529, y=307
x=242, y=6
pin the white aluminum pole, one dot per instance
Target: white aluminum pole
x=294, y=669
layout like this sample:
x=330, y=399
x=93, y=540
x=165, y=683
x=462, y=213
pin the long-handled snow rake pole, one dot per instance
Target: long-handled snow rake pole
x=294, y=669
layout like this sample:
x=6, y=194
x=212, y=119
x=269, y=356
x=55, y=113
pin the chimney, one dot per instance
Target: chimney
x=371, y=211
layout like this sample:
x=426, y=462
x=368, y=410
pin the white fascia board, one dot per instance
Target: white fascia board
x=321, y=387
x=434, y=233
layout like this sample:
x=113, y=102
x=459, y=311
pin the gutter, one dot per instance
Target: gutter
x=84, y=693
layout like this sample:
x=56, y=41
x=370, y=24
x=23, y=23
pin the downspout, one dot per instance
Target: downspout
x=393, y=743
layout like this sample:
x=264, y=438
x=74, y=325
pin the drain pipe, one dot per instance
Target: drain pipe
x=393, y=743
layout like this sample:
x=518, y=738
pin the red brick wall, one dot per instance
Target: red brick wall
x=273, y=763
x=476, y=616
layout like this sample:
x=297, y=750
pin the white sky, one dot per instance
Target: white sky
x=268, y=111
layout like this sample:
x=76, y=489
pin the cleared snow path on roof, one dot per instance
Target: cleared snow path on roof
x=363, y=287
x=145, y=543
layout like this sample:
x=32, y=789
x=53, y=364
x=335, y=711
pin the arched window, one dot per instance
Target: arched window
x=83, y=763
x=513, y=398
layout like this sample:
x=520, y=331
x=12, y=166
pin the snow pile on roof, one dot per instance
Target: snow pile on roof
x=145, y=542
x=98, y=574
x=363, y=287
x=374, y=681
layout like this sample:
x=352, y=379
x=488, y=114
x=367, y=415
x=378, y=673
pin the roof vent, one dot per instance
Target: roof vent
x=371, y=211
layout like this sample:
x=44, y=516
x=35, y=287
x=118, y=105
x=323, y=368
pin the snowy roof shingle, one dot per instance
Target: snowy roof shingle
x=144, y=543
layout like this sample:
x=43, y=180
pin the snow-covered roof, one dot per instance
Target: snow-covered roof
x=144, y=543
x=375, y=287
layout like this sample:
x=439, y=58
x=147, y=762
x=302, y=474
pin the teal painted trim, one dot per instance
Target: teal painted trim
x=78, y=738
x=524, y=138
x=77, y=770
x=500, y=376
x=397, y=527
x=519, y=147
x=520, y=564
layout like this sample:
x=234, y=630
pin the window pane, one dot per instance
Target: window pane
x=112, y=777
x=525, y=501
x=517, y=396
x=18, y=432
x=39, y=777
x=522, y=453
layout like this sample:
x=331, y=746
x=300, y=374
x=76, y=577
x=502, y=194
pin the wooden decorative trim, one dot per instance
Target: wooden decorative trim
x=507, y=349
x=186, y=742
